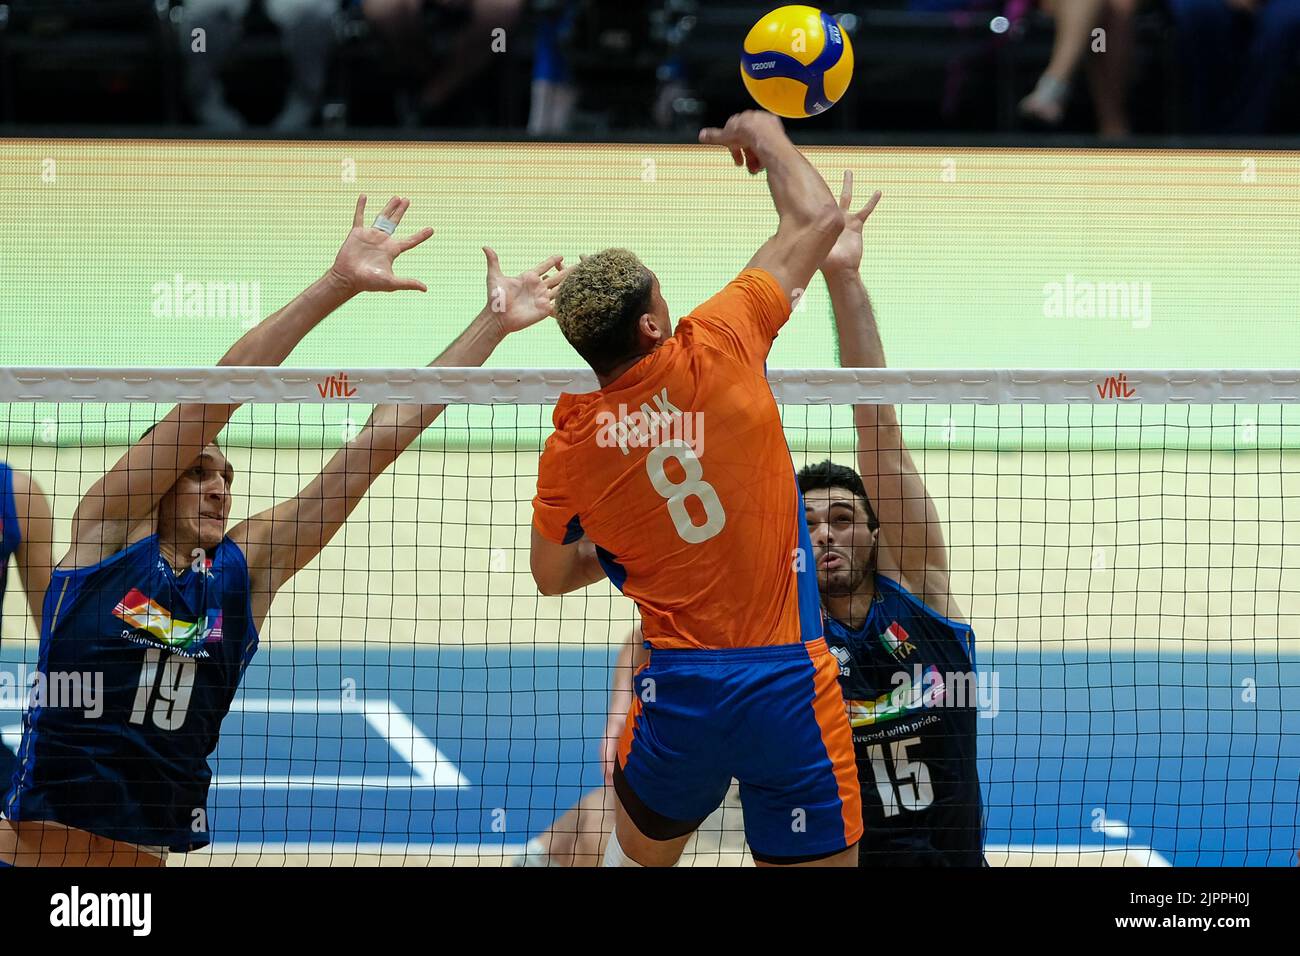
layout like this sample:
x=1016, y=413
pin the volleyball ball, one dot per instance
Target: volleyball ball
x=797, y=61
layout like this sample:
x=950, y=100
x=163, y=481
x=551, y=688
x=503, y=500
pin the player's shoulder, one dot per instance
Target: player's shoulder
x=230, y=549
x=24, y=497
x=104, y=546
x=753, y=287
x=14, y=484
x=932, y=599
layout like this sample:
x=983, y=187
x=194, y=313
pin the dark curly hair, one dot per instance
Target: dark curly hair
x=827, y=474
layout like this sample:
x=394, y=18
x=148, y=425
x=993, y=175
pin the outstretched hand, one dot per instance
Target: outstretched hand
x=747, y=136
x=365, y=262
x=523, y=300
x=846, y=254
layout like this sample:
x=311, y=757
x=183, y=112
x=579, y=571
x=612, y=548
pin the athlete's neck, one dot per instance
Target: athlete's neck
x=605, y=379
x=852, y=609
x=178, y=556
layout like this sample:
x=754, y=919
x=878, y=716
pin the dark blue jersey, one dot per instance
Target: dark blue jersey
x=10, y=533
x=908, y=678
x=10, y=536
x=168, y=650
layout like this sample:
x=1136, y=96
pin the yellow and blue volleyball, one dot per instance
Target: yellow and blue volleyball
x=797, y=61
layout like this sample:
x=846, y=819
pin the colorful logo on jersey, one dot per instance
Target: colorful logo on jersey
x=903, y=699
x=160, y=629
x=895, y=639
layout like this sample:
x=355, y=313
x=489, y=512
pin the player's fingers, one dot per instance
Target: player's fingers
x=390, y=209
x=400, y=211
x=414, y=285
x=546, y=265
x=414, y=239
x=753, y=163
x=712, y=136
x=871, y=204
x=846, y=190
x=494, y=264
x=359, y=216
x=554, y=281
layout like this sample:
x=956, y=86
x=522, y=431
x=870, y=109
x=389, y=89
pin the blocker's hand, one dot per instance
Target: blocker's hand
x=365, y=262
x=846, y=254
x=523, y=300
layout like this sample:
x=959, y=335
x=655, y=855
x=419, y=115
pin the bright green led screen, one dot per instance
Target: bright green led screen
x=975, y=258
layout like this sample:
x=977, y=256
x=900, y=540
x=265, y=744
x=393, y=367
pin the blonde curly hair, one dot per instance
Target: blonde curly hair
x=599, y=303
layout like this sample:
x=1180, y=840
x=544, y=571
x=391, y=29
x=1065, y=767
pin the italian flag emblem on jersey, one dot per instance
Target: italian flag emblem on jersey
x=894, y=637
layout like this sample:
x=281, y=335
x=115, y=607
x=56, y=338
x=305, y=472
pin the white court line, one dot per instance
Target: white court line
x=432, y=769
x=1115, y=829
x=370, y=849
x=1147, y=855
x=431, y=766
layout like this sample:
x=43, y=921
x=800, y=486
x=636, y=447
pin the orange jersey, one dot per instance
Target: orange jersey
x=679, y=473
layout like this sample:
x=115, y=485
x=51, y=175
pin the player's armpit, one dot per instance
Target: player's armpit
x=743, y=318
x=561, y=568
x=934, y=589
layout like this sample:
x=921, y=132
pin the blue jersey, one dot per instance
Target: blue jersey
x=130, y=763
x=908, y=678
x=10, y=533
x=10, y=536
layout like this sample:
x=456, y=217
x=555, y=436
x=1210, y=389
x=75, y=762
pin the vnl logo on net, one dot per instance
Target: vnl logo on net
x=650, y=426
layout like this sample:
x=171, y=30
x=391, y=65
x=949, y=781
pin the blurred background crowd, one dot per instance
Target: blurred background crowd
x=593, y=67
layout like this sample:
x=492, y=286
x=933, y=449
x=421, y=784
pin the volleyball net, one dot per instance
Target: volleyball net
x=1123, y=545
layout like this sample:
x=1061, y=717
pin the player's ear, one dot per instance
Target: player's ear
x=650, y=327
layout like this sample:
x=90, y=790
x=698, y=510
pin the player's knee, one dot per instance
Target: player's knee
x=615, y=855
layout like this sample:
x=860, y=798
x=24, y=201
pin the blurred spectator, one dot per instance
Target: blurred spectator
x=553, y=93
x=306, y=31
x=953, y=6
x=1108, y=71
x=439, y=73
x=1235, y=55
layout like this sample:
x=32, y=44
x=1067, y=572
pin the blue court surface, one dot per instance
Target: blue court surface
x=468, y=750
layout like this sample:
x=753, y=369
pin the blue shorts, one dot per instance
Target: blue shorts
x=771, y=717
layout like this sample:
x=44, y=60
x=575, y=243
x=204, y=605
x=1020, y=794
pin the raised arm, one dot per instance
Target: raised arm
x=36, y=542
x=281, y=541
x=809, y=222
x=131, y=490
x=911, y=544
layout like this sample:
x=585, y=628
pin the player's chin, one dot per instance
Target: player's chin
x=834, y=581
x=211, y=532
